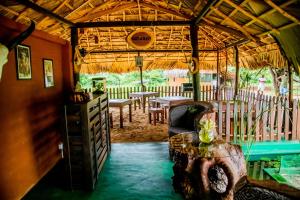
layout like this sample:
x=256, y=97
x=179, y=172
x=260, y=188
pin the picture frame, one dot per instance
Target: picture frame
x=23, y=60
x=48, y=72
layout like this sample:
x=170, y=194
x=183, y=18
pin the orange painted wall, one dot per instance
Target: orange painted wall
x=30, y=114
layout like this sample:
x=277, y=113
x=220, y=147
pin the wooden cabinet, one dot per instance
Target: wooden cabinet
x=87, y=141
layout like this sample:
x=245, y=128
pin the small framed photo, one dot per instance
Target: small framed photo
x=23, y=57
x=48, y=72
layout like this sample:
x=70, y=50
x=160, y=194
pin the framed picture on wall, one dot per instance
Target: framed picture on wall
x=48, y=72
x=23, y=57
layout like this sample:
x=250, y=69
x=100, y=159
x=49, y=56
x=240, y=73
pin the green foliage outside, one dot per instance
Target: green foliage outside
x=158, y=78
x=150, y=78
x=250, y=77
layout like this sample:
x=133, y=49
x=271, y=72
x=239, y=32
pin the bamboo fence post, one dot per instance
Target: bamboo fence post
x=249, y=119
x=257, y=121
x=286, y=118
x=279, y=118
x=272, y=117
x=227, y=125
x=294, y=121
x=242, y=129
x=220, y=118
x=235, y=121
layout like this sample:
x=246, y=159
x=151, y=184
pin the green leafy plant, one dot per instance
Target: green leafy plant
x=207, y=130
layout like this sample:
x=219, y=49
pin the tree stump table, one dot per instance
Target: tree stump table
x=205, y=171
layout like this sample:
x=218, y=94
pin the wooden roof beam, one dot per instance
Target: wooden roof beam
x=204, y=11
x=44, y=11
x=265, y=24
x=165, y=10
x=226, y=29
x=154, y=30
x=13, y=12
x=210, y=38
x=21, y=14
x=283, y=12
x=78, y=8
x=149, y=51
x=233, y=23
x=271, y=11
x=131, y=23
x=182, y=37
x=170, y=36
x=235, y=10
x=91, y=16
x=54, y=11
x=140, y=12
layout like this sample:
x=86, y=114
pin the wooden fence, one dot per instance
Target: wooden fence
x=254, y=117
x=251, y=117
x=207, y=93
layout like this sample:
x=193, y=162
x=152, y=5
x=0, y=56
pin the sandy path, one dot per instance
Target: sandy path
x=139, y=130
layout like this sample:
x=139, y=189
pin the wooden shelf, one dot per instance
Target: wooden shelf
x=87, y=141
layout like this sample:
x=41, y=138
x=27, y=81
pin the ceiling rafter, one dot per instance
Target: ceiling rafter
x=283, y=12
x=204, y=11
x=44, y=11
x=94, y=15
x=13, y=12
x=170, y=36
x=165, y=10
x=262, y=22
x=234, y=11
x=25, y=10
x=271, y=11
x=55, y=26
x=139, y=8
x=61, y=5
x=225, y=29
x=233, y=23
x=214, y=38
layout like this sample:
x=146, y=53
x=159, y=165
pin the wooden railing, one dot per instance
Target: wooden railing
x=251, y=117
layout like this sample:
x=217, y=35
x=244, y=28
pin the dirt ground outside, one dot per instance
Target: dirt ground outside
x=139, y=130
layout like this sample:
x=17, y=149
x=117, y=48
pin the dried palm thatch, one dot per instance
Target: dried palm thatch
x=222, y=24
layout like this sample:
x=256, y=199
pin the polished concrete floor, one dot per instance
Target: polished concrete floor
x=133, y=171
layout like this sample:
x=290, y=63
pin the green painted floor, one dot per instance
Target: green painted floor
x=133, y=171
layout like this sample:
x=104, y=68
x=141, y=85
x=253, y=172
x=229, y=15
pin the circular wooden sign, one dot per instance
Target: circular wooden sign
x=140, y=39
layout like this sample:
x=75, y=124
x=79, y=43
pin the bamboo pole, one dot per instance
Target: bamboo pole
x=237, y=72
x=195, y=54
x=218, y=76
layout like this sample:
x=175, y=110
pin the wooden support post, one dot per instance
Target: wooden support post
x=195, y=54
x=237, y=71
x=74, y=43
x=290, y=76
x=141, y=75
x=218, y=76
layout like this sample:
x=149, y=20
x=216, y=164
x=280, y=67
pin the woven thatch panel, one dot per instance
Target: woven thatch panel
x=225, y=23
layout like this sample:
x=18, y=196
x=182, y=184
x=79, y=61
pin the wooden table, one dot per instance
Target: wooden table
x=205, y=171
x=120, y=103
x=143, y=96
x=171, y=100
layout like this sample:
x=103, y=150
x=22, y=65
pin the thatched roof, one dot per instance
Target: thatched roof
x=250, y=23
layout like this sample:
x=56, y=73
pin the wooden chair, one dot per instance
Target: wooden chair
x=156, y=112
x=184, y=117
x=166, y=109
x=136, y=101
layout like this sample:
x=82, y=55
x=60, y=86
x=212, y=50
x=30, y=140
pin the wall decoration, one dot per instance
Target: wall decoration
x=23, y=57
x=48, y=72
x=140, y=39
